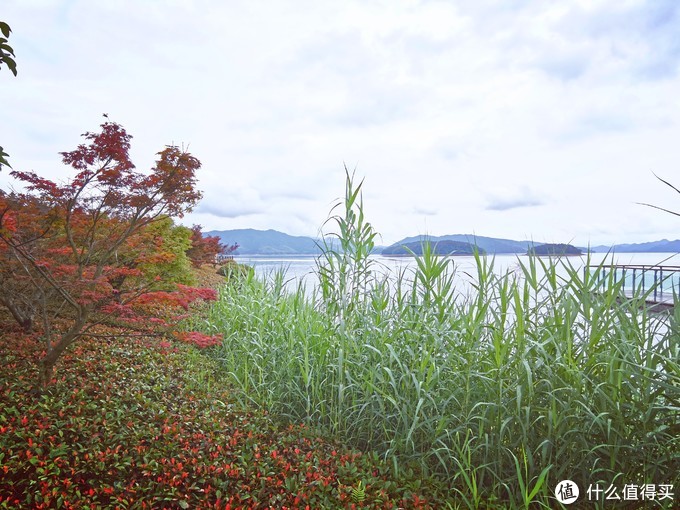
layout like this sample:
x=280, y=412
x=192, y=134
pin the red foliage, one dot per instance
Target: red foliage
x=119, y=442
x=200, y=340
x=28, y=222
x=182, y=297
x=76, y=246
x=206, y=249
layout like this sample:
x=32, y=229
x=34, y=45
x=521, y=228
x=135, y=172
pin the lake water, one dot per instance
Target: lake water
x=303, y=268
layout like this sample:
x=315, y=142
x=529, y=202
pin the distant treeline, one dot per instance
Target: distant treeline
x=438, y=248
x=554, y=249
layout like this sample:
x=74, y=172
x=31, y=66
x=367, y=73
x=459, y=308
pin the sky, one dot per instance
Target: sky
x=505, y=118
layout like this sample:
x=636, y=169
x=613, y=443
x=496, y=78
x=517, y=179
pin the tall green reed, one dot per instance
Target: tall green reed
x=344, y=268
x=530, y=378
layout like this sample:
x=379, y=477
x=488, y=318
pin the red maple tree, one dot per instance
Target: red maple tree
x=70, y=251
x=207, y=249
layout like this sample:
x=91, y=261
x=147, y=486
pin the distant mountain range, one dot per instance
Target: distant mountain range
x=663, y=246
x=266, y=242
x=272, y=242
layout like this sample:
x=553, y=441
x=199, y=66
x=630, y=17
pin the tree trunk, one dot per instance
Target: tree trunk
x=47, y=363
x=45, y=373
x=25, y=320
x=27, y=325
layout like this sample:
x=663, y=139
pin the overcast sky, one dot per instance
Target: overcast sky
x=517, y=119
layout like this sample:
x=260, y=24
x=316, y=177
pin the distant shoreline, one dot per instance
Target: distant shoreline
x=553, y=255
x=272, y=243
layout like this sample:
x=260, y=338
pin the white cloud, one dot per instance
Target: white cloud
x=449, y=108
x=513, y=199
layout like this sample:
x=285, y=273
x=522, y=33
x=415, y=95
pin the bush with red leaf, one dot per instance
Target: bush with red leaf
x=200, y=340
x=207, y=249
x=76, y=250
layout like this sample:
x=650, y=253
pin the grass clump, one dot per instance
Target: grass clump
x=530, y=378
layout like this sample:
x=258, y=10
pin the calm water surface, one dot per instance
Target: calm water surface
x=303, y=268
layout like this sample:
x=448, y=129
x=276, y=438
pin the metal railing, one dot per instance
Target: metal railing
x=662, y=282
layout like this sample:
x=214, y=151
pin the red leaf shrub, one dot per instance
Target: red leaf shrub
x=130, y=425
x=200, y=340
x=206, y=249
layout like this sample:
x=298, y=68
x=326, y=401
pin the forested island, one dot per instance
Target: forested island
x=558, y=250
x=439, y=248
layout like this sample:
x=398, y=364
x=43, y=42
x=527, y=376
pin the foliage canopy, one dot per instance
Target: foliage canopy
x=7, y=59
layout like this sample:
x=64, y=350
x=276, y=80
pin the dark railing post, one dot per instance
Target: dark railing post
x=623, y=278
x=634, y=272
x=656, y=284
